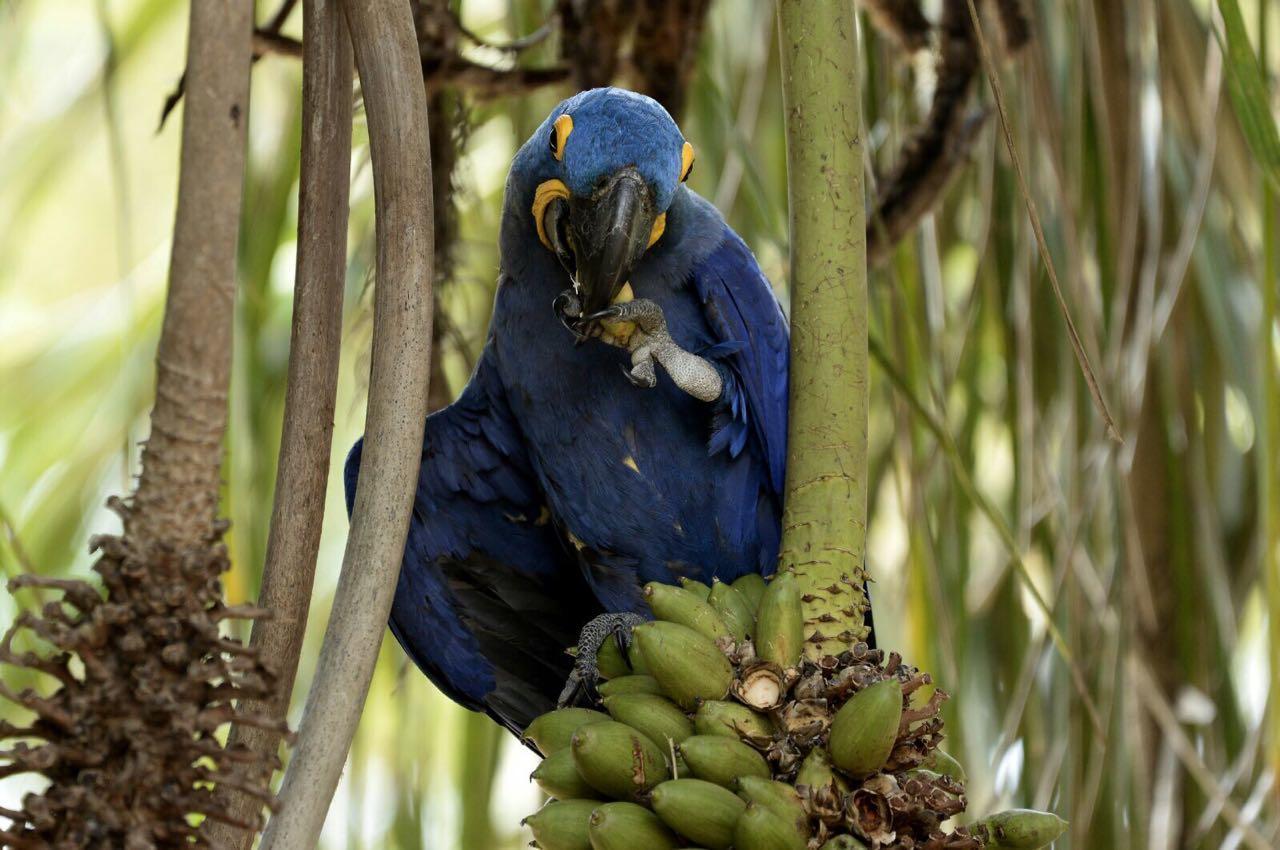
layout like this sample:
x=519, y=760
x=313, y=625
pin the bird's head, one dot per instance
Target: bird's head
x=597, y=178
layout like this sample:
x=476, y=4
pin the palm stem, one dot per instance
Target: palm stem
x=824, y=523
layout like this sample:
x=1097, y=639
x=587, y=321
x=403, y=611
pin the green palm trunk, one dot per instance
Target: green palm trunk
x=824, y=524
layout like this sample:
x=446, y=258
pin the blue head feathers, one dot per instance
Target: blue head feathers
x=594, y=184
x=611, y=129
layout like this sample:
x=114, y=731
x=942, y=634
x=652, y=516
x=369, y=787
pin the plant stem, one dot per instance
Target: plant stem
x=824, y=522
x=1269, y=503
x=176, y=502
x=306, y=439
x=386, y=52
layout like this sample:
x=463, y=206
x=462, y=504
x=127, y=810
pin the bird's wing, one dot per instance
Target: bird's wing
x=752, y=343
x=488, y=599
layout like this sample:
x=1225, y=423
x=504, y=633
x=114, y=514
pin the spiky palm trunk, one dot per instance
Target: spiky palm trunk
x=824, y=523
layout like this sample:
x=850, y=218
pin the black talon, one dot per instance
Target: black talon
x=568, y=309
x=607, y=313
x=635, y=382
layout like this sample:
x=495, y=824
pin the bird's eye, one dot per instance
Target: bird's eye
x=686, y=162
x=560, y=131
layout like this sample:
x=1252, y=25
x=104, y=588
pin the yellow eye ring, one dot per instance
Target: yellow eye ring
x=686, y=161
x=560, y=131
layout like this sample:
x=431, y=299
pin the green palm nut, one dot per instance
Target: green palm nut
x=733, y=608
x=562, y=825
x=816, y=771
x=695, y=587
x=779, y=798
x=627, y=826
x=655, y=716
x=761, y=829
x=866, y=727
x=1021, y=829
x=688, y=665
x=632, y=684
x=558, y=777
x=844, y=842
x=751, y=586
x=731, y=720
x=940, y=762
x=701, y=811
x=611, y=663
x=779, y=622
x=551, y=732
x=616, y=760
x=677, y=605
x=722, y=760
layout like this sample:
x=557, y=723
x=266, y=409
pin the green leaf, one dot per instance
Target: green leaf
x=1248, y=90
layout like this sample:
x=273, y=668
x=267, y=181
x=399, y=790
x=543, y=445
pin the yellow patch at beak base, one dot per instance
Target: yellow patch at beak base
x=659, y=227
x=543, y=195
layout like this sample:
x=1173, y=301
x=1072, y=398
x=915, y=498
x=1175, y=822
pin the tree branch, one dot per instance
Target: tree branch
x=306, y=438
x=395, y=100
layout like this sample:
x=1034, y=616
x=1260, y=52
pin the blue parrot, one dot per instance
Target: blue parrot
x=555, y=487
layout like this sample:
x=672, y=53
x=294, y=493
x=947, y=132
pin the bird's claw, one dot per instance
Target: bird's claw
x=642, y=312
x=568, y=309
x=582, y=681
x=641, y=375
x=611, y=313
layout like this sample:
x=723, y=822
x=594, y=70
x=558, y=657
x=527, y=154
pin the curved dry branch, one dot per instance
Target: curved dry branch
x=936, y=151
x=395, y=100
x=307, y=435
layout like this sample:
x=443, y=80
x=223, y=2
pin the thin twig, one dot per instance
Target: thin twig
x=1077, y=346
x=1150, y=693
x=947, y=442
x=306, y=437
x=516, y=45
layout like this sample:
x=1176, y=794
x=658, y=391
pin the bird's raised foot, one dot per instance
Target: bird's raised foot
x=582, y=681
x=651, y=343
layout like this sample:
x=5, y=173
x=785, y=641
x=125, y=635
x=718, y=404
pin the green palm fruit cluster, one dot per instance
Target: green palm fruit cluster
x=714, y=731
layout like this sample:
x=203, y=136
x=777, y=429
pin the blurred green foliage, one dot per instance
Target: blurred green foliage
x=1152, y=553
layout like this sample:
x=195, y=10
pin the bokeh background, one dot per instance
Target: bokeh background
x=1152, y=724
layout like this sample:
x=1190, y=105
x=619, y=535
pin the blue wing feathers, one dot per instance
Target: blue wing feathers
x=486, y=600
x=752, y=342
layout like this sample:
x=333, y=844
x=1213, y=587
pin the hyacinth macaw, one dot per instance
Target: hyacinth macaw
x=571, y=471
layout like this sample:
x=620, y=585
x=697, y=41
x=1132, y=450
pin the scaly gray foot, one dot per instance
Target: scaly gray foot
x=586, y=672
x=653, y=343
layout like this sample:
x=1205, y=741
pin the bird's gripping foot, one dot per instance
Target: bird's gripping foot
x=652, y=343
x=582, y=681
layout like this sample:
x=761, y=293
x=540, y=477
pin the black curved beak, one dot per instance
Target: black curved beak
x=600, y=238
